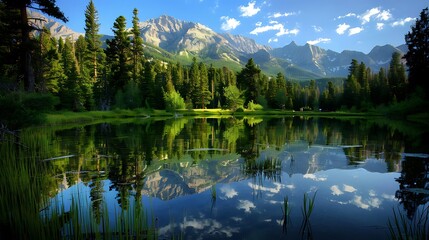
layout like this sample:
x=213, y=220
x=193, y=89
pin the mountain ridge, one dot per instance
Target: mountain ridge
x=186, y=39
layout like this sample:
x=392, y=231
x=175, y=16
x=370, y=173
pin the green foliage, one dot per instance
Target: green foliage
x=233, y=97
x=24, y=109
x=173, y=101
x=129, y=98
x=418, y=52
x=254, y=106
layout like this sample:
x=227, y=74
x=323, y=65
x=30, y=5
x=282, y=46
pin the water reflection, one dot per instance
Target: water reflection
x=170, y=167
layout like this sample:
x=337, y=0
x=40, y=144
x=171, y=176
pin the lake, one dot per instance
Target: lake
x=233, y=178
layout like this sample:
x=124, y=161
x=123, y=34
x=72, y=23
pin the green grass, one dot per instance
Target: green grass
x=68, y=117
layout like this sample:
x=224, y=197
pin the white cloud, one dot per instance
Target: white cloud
x=385, y=15
x=314, y=177
x=359, y=203
x=246, y=205
x=366, y=17
x=273, y=40
x=229, y=23
x=257, y=187
x=347, y=15
x=356, y=30
x=380, y=26
x=258, y=24
x=287, y=14
x=249, y=10
x=319, y=40
x=276, y=27
x=336, y=190
x=348, y=188
x=342, y=28
x=274, y=22
x=317, y=28
x=228, y=191
x=402, y=22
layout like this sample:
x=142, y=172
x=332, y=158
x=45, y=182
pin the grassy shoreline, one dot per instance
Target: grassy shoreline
x=66, y=117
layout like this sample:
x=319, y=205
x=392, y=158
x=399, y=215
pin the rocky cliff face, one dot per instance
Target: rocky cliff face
x=194, y=39
x=55, y=28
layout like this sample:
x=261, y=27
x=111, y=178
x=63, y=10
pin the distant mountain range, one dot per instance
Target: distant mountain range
x=172, y=39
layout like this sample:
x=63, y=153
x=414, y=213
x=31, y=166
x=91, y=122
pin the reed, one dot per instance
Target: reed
x=213, y=192
x=402, y=227
x=307, y=210
x=286, y=209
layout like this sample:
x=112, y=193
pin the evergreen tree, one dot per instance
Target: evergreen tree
x=204, y=93
x=10, y=72
x=48, y=68
x=25, y=44
x=418, y=52
x=70, y=92
x=249, y=79
x=80, y=47
x=147, y=85
x=136, y=47
x=118, y=55
x=397, y=77
x=94, y=52
x=194, y=82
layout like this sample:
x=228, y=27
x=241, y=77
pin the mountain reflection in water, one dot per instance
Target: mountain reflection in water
x=361, y=170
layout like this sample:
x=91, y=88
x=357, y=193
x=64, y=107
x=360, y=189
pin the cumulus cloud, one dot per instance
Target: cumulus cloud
x=229, y=23
x=246, y=205
x=348, y=188
x=342, y=28
x=402, y=22
x=385, y=15
x=319, y=40
x=249, y=10
x=286, y=14
x=228, y=191
x=356, y=30
x=380, y=26
x=258, y=24
x=366, y=17
x=336, y=190
x=281, y=30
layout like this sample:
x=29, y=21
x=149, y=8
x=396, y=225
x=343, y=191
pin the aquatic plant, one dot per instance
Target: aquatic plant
x=213, y=191
x=402, y=227
x=307, y=210
x=286, y=209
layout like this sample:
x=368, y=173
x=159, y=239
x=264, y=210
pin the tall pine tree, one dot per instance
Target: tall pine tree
x=136, y=47
x=418, y=53
x=94, y=53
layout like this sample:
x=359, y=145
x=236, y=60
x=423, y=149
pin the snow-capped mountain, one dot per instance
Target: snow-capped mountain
x=183, y=38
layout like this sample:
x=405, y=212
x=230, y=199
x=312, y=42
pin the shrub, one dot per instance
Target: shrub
x=254, y=106
x=173, y=101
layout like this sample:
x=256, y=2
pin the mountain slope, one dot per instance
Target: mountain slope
x=56, y=28
x=171, y=39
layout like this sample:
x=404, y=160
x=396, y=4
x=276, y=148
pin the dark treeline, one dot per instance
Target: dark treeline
x=81, y=75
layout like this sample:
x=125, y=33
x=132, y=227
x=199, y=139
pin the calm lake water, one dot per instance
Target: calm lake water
x=228, y=178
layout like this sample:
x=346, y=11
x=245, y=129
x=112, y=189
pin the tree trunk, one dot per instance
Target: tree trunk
x=27, y=67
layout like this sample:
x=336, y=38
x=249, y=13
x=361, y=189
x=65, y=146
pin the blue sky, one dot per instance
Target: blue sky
x=331, y=24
